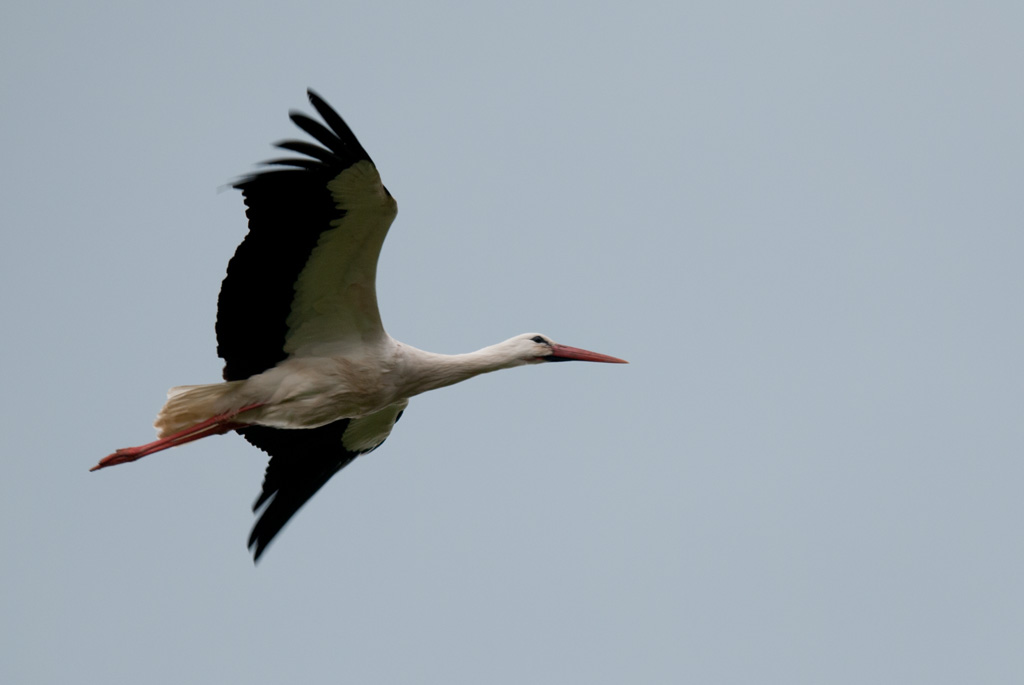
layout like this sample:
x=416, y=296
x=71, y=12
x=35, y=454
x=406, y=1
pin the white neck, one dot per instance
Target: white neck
x=425, y=371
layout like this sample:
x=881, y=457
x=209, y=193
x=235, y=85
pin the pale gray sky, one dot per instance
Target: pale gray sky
x=801, y=222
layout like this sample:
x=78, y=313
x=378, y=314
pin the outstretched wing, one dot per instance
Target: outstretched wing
x=303, y=460
x=305, y=274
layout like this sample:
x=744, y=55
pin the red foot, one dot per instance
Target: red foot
x=216, y=425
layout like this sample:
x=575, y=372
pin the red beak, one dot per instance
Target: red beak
x=564, y=353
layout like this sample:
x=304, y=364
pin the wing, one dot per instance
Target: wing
x=303, y=460
x=305, y=273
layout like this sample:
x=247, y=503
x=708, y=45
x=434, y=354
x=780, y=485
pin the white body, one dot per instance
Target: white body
x=308, y=392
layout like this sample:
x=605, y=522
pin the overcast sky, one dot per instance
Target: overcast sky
x=801, y=223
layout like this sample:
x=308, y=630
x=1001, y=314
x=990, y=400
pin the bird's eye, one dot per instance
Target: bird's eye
x=538, y=339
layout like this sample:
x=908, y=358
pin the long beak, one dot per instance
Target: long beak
x=564, y=353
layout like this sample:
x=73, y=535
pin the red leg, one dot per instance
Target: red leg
x=215, y=425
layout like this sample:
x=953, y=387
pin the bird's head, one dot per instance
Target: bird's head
x=534, y=348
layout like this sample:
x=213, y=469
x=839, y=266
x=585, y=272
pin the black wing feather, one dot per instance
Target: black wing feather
x=299, y=162
x=288, y=209
x=324, y=135
x=337, y=124
x=304, y=148
x=301, y=462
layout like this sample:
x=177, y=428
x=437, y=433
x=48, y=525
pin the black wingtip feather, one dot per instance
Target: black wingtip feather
x=336, y=123
x=324, y=135
x=304, y=148
x=310, y=164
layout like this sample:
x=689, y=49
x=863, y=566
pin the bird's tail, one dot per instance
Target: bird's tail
x=188, y=405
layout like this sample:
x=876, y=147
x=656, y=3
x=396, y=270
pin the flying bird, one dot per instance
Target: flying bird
x=310, y=375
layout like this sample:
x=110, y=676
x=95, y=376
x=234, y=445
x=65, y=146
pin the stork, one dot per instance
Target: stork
x=310, y=375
